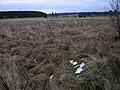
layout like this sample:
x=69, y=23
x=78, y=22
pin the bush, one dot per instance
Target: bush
x=115, y=15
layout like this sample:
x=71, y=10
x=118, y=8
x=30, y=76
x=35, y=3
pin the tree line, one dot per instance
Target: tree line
x=21, y=14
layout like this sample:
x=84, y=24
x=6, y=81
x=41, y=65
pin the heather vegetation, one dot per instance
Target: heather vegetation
x=59, y=54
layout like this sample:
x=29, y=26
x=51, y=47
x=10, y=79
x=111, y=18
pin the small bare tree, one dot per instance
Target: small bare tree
x=115, y=15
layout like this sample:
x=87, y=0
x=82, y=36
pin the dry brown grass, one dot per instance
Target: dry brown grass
x=45, y=46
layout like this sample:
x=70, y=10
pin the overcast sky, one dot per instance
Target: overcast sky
x=49, y=6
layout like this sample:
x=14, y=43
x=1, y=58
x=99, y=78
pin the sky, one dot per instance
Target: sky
x=49, y=6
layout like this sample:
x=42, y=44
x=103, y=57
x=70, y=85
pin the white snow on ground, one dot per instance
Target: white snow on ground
x=72, y=62
x=77, y=66
x=51, y=77
x=82, y=59
x=80, y=68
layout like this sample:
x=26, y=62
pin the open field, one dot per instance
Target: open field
x=35, y=54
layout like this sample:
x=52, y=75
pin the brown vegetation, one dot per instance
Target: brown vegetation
x=35, y=54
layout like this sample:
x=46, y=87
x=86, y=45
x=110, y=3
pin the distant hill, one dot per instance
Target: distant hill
x=21, y=14
x=84, y=14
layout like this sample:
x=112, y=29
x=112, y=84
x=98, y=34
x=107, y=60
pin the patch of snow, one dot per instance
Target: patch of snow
x=80, y=69
x=82, y=65
x=76, y=66
x=51, y=77
x=82, y=59
x=78, y=76
x=72, y=62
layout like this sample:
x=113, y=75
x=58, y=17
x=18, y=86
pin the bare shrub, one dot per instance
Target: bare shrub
x=115, y=15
